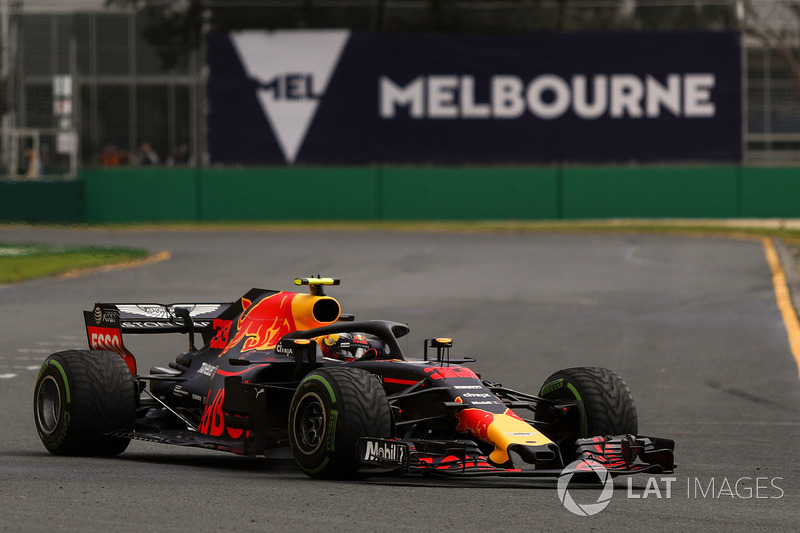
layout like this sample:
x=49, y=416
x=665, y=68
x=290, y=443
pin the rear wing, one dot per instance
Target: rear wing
x=106, y=323
x=158, y=318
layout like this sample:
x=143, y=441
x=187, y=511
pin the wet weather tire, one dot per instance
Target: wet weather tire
x=608, y=406
x=331, y=410
x=79, y=397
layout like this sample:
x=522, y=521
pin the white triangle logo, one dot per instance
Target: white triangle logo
x=293, y=69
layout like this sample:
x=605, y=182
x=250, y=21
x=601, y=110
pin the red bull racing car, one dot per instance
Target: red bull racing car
x=280, y=368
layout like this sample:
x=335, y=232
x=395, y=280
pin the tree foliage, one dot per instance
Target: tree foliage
x=175, y=27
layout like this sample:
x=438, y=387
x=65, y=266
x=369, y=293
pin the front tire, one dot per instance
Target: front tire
x=331, y=410
x=79, y=397
x=608, y=406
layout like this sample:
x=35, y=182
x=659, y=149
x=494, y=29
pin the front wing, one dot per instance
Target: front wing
x=618, y=454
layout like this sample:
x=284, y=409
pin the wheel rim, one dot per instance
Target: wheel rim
x=48, y=405
x=310, y=423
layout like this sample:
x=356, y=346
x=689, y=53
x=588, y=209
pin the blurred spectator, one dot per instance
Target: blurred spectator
x=33, y=167
x=179, y=156
x=110, y=156
x=128, y=158
x=44, y=158
x=147, y=156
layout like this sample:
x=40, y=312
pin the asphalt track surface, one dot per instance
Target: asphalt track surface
x=691, y=324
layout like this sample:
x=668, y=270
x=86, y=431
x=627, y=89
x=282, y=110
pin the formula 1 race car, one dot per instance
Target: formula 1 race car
x=282, y=368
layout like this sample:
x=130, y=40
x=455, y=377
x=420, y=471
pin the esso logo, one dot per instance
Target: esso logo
x=106, y=341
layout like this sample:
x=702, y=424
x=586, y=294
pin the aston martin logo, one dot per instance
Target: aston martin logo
x=166, y=312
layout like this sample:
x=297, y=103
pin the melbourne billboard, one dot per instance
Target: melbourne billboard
x=320, y=97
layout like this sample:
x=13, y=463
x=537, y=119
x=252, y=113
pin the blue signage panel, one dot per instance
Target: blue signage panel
x=319, y=97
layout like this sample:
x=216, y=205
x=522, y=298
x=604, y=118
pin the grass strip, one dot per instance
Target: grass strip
x=20, y=262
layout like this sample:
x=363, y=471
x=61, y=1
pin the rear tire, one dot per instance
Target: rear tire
x=608, y=405
x=331, y=410
x=80, y=396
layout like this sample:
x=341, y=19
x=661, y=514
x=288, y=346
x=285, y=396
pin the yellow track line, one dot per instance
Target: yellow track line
x=782, y=296
x=157, y=258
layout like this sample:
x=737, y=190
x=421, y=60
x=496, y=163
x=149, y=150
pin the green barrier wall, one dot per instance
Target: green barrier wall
x=41, y=201
x=290, y=194
x=770, y=192
x=658, y=192
x=406, y=193
x=141, y=194
x=469, y=193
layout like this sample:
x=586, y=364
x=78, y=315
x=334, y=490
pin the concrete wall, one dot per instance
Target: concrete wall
x=407, y=193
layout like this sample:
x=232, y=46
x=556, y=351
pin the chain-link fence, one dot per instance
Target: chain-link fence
x=772, y=100
x=97, y=82
x=115, y=97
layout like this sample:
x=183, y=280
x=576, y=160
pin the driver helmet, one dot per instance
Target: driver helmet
x=344, y=346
